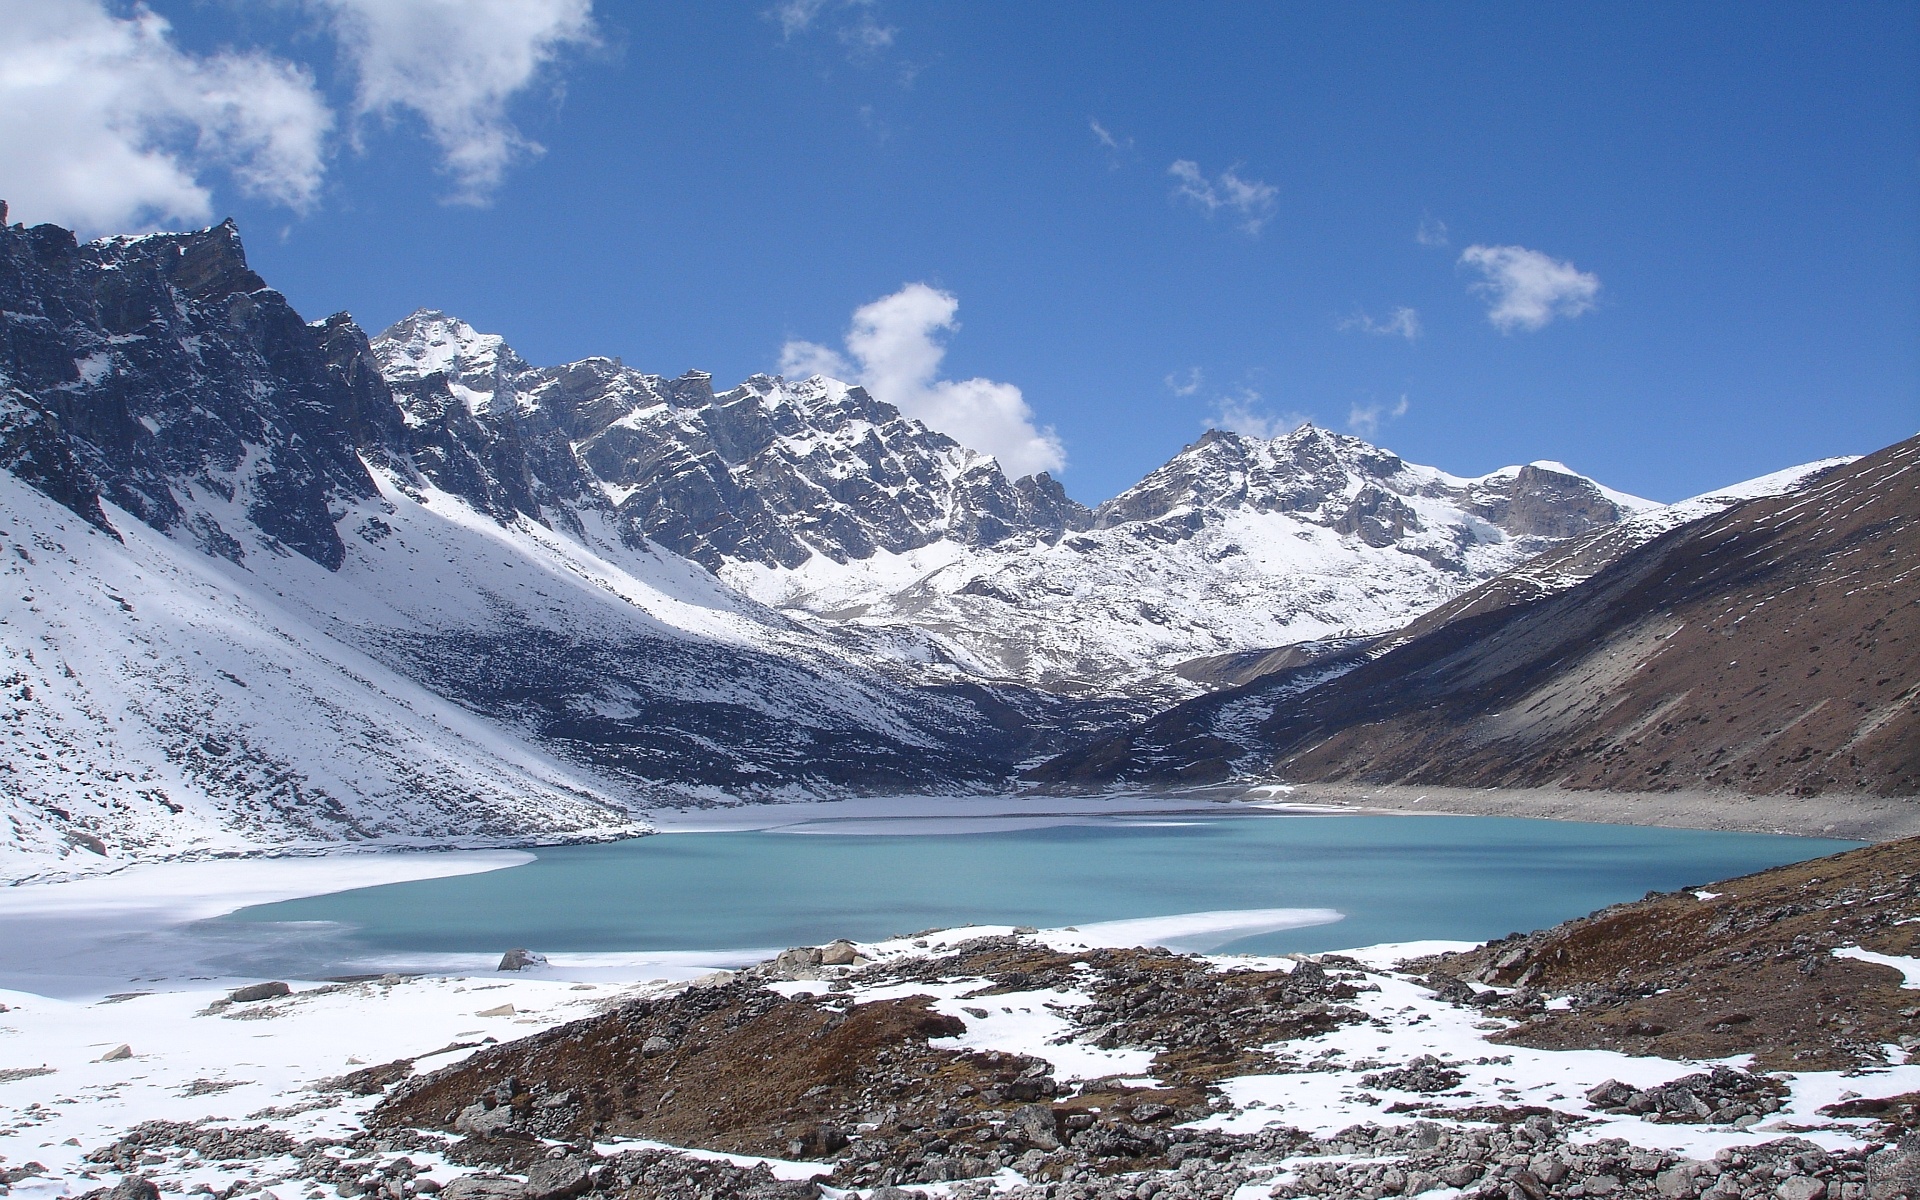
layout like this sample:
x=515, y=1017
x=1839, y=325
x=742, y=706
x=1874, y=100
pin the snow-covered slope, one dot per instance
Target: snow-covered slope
x=156, y=700
x=261, y=600
x=813, y=497
x=1238, y=543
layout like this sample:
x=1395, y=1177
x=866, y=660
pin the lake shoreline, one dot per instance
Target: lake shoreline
x=1849, y=817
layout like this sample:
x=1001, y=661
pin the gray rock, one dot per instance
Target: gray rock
x=1601, y=1185
x=482, y=1187
x=840, y=953
x=1800, y=1187
x=118, y=1053
x=1034, y=1125
x=655, y=1046
x=557, y=1178
x=259, y=991
x=798, y=962
x=520, y=959
x=132, y=1187
x=478, y=1118
x=1529, y=1184
x=1676, y=1183
x=1895, y=1171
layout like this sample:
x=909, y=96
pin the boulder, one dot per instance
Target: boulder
x=557, y=1178
x=498, y=1010
x=259, y=991
x=1676, y=1183
x=839, y=953
x=478, y=1118
x=1895, y=1171
x=118, y=1053
x=132, y=1187
x=521, y=959
x=1800, y=1187
x=483, y=1187
x=655, y=1046
x=1611, y=1094
x=799, y=962
x=1034, y=1125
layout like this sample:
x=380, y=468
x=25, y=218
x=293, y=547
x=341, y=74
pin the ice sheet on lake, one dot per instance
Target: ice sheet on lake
x=1199, y=931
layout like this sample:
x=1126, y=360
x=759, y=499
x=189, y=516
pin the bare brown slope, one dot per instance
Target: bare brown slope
x=1774, y=647
x=1741, y=967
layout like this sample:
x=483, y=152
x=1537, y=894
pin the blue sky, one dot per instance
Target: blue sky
x=1671, y=245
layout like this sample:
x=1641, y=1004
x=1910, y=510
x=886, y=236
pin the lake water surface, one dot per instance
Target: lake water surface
x=1387, y=878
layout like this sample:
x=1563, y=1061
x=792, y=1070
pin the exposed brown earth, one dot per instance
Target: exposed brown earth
x=740, y=1068
x=1749, y=971
x=1771, y=649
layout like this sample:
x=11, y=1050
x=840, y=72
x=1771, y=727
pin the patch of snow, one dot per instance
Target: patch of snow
x=1909, y=968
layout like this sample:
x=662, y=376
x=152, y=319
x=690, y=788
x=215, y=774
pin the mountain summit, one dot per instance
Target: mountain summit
x=814, y=497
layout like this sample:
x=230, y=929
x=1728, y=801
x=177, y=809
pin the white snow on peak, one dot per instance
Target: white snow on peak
x=429, y=341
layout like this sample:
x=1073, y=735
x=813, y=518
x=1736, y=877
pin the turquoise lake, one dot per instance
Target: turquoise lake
x=1392, y=879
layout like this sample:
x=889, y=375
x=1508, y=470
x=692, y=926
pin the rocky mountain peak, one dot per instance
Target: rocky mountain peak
x=477, y=366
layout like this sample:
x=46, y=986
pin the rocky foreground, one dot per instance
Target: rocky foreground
x=1749, y=1040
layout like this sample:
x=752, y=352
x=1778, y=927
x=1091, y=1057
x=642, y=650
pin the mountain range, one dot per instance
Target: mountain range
x=272, y=581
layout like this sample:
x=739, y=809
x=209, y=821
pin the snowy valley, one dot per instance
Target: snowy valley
x=273, y=582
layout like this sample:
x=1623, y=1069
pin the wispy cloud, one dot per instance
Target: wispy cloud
x=1432, y=232
x=1244, y=414
x=1365, y=419
x=1118, y=149
x=1187, y=382
x=855, y=23
x=795, y=17
x=1526, y=289
x=894, y=350
x=109, y=126
x=1251, y=201
x=457, y=64
x=1401, y=322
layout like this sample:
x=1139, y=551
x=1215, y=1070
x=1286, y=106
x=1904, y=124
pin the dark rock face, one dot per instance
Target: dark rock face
x=161, y=377
x=769, y=472
x=174, y=374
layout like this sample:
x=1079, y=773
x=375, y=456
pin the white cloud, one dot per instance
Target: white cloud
x=1185, y=383
x=1253, y=201
x=1243, y=415
x=1527, y=289
x=1432, y=232
x=795, y=16
x=108, y=126
x=1402, y=322
x=456, y=64
x=860, y=29
x=895, y=353
x=866, y=36
x=803, y=360
x=1365, y=420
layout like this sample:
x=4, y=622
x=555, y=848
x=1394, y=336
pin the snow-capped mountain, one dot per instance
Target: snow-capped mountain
x=1697, y=646
x=770, y=473
x=276, y=582
x=1224, y=734
x=815, y=498
x=1236, y=544
x=256, y=598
